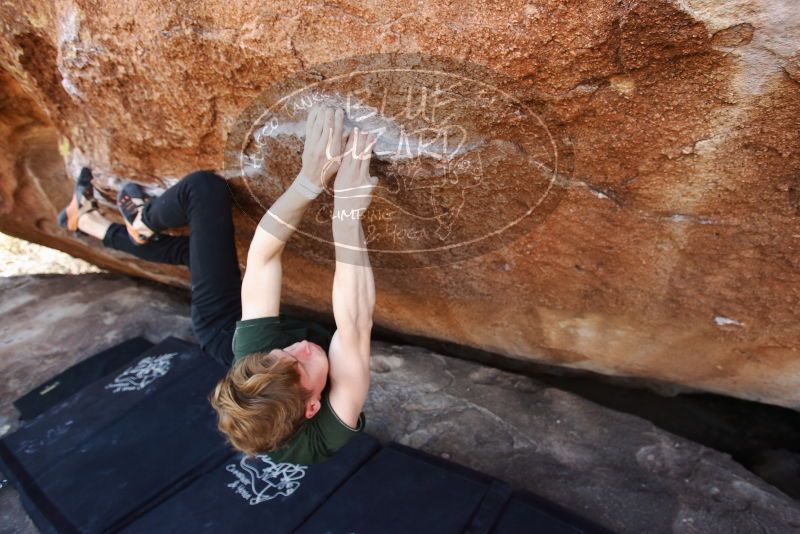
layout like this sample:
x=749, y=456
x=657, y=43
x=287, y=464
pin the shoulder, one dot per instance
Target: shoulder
x=318, y=438
x=257, y=335
x=329, y=432
x=332, y=424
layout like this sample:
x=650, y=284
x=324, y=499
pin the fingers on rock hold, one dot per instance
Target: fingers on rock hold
x=310, y=121
x=326, y=124
x=338, y=123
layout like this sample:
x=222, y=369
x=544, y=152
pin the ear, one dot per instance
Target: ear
x=312, y=407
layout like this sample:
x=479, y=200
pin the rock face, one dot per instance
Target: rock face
x=662, y=136
x=614, y=468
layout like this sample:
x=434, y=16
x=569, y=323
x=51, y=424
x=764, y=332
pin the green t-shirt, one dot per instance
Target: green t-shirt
x=324, y=434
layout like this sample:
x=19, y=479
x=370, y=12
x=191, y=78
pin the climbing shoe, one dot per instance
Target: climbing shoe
x=131, y=200
x=82, y=202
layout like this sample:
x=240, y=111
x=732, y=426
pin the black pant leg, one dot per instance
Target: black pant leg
x=202, y=201
x=165, y=249
x=169, y=210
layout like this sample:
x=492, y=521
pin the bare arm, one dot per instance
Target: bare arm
x=353, y=291
x=261, y=286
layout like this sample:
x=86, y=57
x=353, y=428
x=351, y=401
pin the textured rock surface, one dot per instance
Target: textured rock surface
x=615, y=468
x=672, y=254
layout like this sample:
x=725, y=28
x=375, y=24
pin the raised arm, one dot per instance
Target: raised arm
x=261, y=286
x=353, y=284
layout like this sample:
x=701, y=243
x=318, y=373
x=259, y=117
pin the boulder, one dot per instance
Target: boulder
x=623, y=197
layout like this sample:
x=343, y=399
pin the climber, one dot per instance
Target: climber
x=283, y=393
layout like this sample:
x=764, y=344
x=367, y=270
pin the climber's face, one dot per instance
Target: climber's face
x=312, y=365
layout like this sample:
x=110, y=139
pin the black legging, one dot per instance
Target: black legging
x=202, y=201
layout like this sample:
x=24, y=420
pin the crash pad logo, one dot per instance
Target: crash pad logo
x=467, y=159
x=259, y=479
x=145, y=372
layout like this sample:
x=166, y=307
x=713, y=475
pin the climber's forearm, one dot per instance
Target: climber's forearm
x=353, y=282
x=280, y=221
x=261, y=286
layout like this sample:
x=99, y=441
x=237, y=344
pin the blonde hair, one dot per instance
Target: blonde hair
x=260, y=402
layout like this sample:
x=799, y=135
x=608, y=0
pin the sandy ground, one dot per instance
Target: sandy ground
x=18, y=257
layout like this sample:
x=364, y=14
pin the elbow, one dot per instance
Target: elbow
x=260, y=256
x=356, y=326
x=364, y=325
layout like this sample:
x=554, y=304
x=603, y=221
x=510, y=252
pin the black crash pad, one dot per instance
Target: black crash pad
x=59, y=388
x=119, y=445
x=402, y=490
x=255, y=494
x=527, y=513
x=138, y=451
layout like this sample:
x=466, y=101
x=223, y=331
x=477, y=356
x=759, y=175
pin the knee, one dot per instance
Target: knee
x=205, y=182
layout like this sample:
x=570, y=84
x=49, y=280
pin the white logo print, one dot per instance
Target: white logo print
x=264, y=482
x=144, y=373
